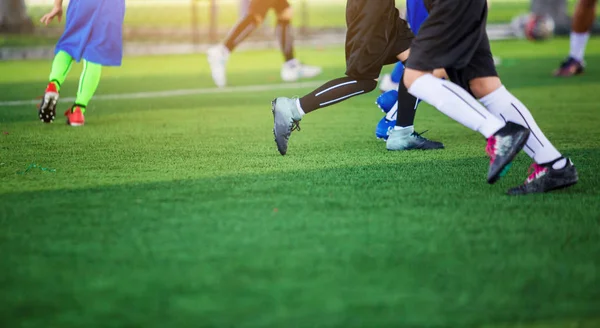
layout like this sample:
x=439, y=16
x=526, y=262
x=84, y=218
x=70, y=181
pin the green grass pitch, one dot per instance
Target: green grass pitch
x=179, y=212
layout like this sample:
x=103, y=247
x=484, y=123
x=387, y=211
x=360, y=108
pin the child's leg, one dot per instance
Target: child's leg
x=60, y=68
x=88, y=83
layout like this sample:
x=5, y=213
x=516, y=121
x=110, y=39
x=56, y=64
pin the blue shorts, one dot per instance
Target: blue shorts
x=94, y=31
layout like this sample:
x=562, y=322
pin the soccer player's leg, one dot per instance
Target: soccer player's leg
x=288, y=112
x=550, y=170
x=434, y=48
x=292, y=69
x=61, y=65
x=218, y=55
x=364, y=61
x=403, y=135
x=88, y=83
x=583, y=20
x=416, y=14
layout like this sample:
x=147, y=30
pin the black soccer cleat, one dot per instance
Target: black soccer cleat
x=502, y=148
x=570, y=67
x=544, y=178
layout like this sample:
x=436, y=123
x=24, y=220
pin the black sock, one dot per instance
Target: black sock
x=407, y=106
x=286, y=39
x=335, y=91
x=240, y=32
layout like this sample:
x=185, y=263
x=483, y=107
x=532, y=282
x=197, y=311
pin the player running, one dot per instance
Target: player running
x=397, y=126
x=94, y=34
x=376, y=36
x=291, y=70
x=454, y=37
x=583, y=21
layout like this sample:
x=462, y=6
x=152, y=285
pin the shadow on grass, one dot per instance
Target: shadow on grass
x=365, y=246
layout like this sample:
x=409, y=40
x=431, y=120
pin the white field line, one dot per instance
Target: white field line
x=180, y=92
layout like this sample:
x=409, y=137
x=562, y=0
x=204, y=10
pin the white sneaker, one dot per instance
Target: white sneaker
x=387, y=84
x=217, y=59
x=293, y=70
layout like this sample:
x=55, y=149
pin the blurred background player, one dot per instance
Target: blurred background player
x=376, y=36
x=94, y=34
x=583, y=21
x=454, y=36
x=291, y=70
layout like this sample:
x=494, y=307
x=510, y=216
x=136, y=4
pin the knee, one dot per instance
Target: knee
x=410, y=76
x=440, y=73
x=483, y=86
x=258, y=19
x=370, y=85
x=286, y=15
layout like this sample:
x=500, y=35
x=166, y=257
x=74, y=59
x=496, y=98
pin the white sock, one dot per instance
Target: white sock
x=578, y=44
x=299, y=107
x=457, y=103
x=291, y=63
x=405, y=131
x=560, y=164
x=507, y=107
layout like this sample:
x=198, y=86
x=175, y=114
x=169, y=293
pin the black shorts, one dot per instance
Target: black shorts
x=261, y=7
x=375, y=36
x=454, y=37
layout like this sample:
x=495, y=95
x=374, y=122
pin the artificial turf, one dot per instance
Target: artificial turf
x=179, y=212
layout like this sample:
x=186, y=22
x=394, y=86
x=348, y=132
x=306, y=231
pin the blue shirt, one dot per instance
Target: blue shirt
x=416, y=14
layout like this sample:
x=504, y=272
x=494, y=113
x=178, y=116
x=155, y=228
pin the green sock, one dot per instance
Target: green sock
x=60, y=68
x=88, y=83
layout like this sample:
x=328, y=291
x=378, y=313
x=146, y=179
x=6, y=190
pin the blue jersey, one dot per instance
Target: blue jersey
x=416, y=14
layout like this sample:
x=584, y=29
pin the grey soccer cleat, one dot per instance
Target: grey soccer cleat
x=286, y=119
x=544, y=178
x=401, y=140
x=503, y=147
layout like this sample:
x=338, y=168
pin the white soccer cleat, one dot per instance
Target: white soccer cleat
x=217, y=59
x=293, y=70
x=387, y=84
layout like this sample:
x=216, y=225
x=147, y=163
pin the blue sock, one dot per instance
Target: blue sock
x=397, y=72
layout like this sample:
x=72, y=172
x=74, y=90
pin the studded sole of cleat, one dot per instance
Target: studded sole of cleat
x=47, y=113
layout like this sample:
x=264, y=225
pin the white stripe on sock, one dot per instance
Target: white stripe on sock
x=335, y=87
x=341, y=98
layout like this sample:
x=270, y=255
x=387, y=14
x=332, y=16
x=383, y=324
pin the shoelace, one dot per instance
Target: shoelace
x=420, y=135
x=295, y=125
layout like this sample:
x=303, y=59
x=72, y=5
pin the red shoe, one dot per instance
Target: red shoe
x=75, y=116
x=47, y=109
